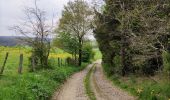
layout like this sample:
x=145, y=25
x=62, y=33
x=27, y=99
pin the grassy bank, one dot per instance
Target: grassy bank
x=35, y=86
x=38, y=85
x=144, y=88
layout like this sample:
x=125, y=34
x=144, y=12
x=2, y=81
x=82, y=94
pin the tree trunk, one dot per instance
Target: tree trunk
x=48, y=53
x=80, y=52
x=58, y=62
x=75, y=57
x=80, y=56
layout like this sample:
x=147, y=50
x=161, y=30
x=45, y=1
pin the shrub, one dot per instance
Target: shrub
x=108, y=69
x=87, y=53
x=40, y=92
x=71, y=61
x=166, y=62
x=152, y=65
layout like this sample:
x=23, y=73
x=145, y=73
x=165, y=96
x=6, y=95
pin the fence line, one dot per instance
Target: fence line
x=60, y=62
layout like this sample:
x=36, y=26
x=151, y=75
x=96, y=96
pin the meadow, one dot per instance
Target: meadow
x=39, y=85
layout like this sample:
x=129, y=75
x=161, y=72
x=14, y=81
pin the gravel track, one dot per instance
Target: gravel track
x=74, y=89
x=103, y=88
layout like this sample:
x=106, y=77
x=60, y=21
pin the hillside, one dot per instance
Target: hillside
x=9, y=41
x=13, y=40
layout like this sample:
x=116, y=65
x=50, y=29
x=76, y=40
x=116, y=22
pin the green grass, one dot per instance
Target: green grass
x=13, y=59
x=39, y=85
x=87, y=85
x=143, y=87
x=35, y=86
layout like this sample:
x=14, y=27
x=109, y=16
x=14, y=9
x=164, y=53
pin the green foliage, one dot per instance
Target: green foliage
x=76, y=20
x=143, y=88
x=66, y=42
x=117, y=63
x=87, y=53
x=115, y=68
x=108, y=69
x=155, y=91
x=125, y=28
x=40, y=53
x=98, y=54
x=166, y=64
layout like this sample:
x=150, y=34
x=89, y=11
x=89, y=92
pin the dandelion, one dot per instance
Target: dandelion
x=139, y=90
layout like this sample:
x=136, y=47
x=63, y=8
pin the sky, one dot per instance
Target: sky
x=11, y=12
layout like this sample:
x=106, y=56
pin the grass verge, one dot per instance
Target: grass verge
x=35, y=86
x=142, y=87
x=87, y=85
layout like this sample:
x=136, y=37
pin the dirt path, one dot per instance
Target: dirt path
x=103, y=88
x=73, y=89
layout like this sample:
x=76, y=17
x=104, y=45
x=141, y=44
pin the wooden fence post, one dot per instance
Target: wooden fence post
x=3, y=66
x=59, y=62
x=20, y=64
x=67, y=60
x=33, y=63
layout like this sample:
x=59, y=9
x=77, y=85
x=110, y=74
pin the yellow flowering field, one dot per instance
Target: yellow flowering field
x=13, y=58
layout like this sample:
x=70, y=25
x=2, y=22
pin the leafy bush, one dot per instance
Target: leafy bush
x=166, y=62
x=152, y=65
x=87, y=53
x=40, y=92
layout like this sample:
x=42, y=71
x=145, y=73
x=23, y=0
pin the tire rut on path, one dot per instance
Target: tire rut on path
x=73, y=89
x=103, y=88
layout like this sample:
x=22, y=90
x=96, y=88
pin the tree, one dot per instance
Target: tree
x=104, y=25
x=68, y=43
x=76, y=21
x=36, y=31
x=88, y=52
x=136, y=31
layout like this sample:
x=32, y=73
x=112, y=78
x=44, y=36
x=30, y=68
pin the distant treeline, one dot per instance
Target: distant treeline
x=12, y=40
x=9, y=41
